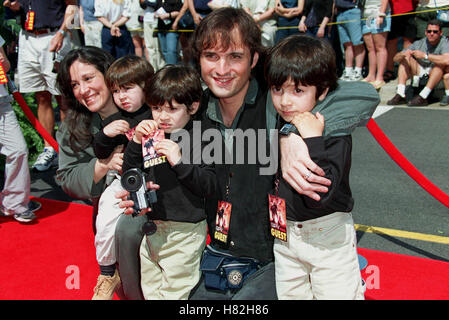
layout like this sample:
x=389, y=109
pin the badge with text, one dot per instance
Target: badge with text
x=222, y=221
x=29, y=22
x=150, y=156
x=130, y=133
x=278, y=221
x=3, y=78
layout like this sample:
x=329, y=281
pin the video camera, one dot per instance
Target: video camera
x=133, y=181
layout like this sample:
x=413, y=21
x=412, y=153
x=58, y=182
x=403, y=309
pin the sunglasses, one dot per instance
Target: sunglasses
x=432, y=31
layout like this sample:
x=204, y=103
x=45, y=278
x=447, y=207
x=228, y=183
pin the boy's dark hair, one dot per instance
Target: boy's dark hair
x=179, y=82
x=129, y=69
x=217, y=26
x=306, y=60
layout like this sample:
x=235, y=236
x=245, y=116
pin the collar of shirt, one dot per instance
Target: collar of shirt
x=213, y=108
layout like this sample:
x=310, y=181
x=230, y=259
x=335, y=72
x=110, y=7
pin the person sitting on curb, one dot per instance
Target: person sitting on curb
x=427, y=56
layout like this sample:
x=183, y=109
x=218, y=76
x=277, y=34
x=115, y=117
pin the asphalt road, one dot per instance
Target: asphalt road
x=385, y=196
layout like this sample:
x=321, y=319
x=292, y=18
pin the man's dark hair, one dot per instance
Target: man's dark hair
x=217, y=26
x=435, y=22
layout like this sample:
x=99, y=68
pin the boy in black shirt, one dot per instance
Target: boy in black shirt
x=170, y=257
x=315, y=251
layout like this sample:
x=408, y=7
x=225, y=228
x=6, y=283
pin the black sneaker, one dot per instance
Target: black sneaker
x=33, y=205
x=396, y=100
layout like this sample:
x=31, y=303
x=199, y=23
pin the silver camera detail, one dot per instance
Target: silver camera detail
x=133, y=181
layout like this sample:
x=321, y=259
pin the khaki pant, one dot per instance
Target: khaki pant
x=170, y=259
x=319, y=260
x=153, y=46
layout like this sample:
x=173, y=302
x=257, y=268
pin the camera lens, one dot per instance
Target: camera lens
x=132, y=180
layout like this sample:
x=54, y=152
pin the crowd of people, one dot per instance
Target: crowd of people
x=360, y=32
x=143, y=66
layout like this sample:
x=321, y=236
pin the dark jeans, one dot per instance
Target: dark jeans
x=117, y=46
x=259, y=286
x=290, y=25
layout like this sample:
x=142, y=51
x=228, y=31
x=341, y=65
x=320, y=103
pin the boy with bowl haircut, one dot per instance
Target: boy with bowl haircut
x=317, y=257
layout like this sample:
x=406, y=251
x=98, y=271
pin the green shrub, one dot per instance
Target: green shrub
x=32, y=137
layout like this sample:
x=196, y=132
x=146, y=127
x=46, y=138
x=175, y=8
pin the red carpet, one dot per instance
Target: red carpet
x=54, y=258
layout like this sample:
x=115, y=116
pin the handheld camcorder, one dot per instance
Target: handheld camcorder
x=133, y=181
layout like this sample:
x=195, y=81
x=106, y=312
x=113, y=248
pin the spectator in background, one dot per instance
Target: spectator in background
x=316, y=15
x=192, y=12
x=115, y=37
x=15, y=196
x=199, y=9
x=289, y=14
x=402, y=26
x=429, y=8
x=40, y=43
x=427, y=57
x=375, y=31
x=217, y=4
x=150, y=36
x=262, y=12
x=350, y=33
x=166, y=12
x=184, y=21
x=90, y=26
x=135, y=27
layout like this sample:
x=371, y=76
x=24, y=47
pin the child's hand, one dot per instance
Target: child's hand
x=309, y=125
x=170, y=149
x=115, y=128
x=144, y=128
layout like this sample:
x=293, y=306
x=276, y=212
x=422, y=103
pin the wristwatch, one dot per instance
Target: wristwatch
x=287, y=129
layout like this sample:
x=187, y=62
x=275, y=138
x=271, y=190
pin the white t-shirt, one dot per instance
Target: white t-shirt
x=3, y=89
x=112, y=11
x=434, y=3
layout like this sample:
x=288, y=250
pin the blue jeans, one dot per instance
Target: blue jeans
x=117, y=46
x=169, y=46
x=350, y=31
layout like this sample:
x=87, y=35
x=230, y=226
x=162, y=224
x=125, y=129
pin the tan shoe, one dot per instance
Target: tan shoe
x=106, y=286
x=378, y=84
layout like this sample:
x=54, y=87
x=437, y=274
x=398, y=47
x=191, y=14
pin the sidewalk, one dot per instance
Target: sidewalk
x=389, y=90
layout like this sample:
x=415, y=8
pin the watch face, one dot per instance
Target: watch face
x=286, y=129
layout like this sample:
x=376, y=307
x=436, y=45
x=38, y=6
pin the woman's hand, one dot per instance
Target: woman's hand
x=302, y=26
x=113, y=162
